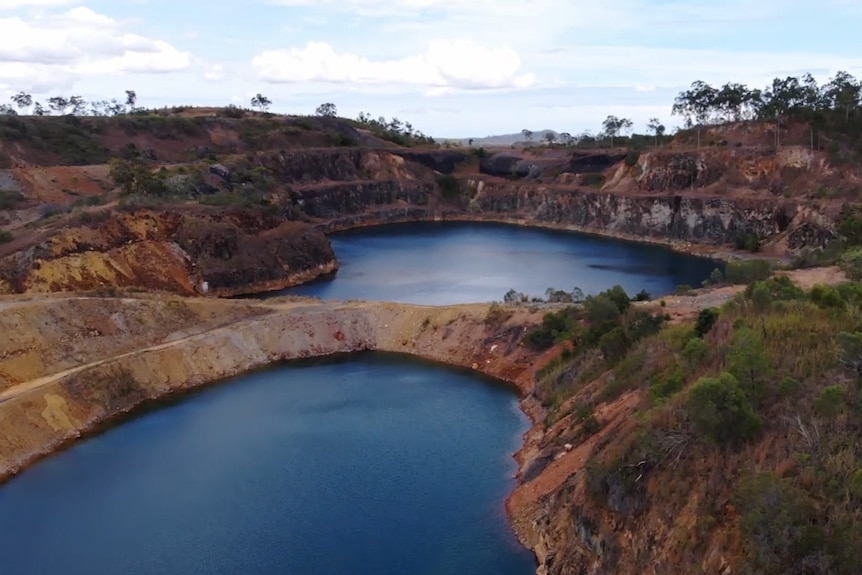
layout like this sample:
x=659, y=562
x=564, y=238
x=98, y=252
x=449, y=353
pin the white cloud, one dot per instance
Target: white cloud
x=15, y=4
x=76, y=43
x=644, y=66
x=214, y=72
x=444, y=65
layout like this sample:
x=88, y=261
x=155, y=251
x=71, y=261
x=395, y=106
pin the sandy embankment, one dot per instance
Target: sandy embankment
x=74, y=364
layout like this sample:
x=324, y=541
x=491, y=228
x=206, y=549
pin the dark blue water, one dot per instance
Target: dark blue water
x=450, y=262
x=374, y=466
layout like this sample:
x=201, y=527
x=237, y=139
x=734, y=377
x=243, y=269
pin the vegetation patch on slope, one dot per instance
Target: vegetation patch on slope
x=744, y=440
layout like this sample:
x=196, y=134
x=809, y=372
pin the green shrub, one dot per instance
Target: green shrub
x=780, y=527
x=593, y=179
x=5, y=236
x=632, y=158
x=721, y=411
x=664, y=386
x=614, y=345
x=601, y=309
x=779, y=288
x=682, y=289
x=449, y=186
x=619, y=296
x=850, y=224
x=555, y=327
x=232, y=111
x=10, y=199
x=749, y=363
x=851, y=292
x=827, y=256
x=695, y=351
x=761, y=297
x=705, y=320
x=343, y=141
x=641, y=324
x=831, y=401
x=747, y=241
x=851, y=262
x=827, y=297
x=789, y=386
x=747, y=271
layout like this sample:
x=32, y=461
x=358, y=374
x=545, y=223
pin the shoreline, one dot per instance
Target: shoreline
x=43, y=415
x=348, y=329
x=718, y=253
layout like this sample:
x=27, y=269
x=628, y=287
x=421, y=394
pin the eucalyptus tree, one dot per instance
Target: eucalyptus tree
x=657, y=128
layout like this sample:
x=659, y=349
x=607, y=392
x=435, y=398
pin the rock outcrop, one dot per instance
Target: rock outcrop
x=225, y=253
x=669, y=218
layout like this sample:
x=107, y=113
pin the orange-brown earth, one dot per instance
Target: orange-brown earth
x=74, y=363
x=330, y=174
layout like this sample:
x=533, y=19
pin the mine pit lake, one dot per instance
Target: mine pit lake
x=372, y=464
x=441, y=263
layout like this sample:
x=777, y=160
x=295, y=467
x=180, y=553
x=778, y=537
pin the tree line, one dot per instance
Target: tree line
x=613, y=127
x=24, y=104
x=835, y=105
x=394, y=129
x=76, y=105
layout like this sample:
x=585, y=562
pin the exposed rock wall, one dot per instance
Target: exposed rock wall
x=668, y=217
x=675, y=198
x=338, y=200
x=223, y=254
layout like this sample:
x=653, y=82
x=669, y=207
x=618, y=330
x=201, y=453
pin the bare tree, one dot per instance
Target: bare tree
x=115, y=108
x=22, y=100
x=99, y=108
x=625, y=126
x=657, y=128
x=327, y=109
x=261, y=101
x=613, y=125
x=131, y=99
x=58, y=104
x=78, y=105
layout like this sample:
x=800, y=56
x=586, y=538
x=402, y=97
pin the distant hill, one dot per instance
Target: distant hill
x=502, y=139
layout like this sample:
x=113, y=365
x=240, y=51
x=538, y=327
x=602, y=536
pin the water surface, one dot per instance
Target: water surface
x=374, y=466
x=459, y=262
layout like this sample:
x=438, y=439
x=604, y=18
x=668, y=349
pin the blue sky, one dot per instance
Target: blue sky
x=453, y=68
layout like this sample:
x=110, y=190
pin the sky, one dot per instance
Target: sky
x=453, y=68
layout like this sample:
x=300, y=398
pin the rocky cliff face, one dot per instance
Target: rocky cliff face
x=713, y=221
x=668, y=197
x=668, y=219
x=715, y=197
x=224, y=253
